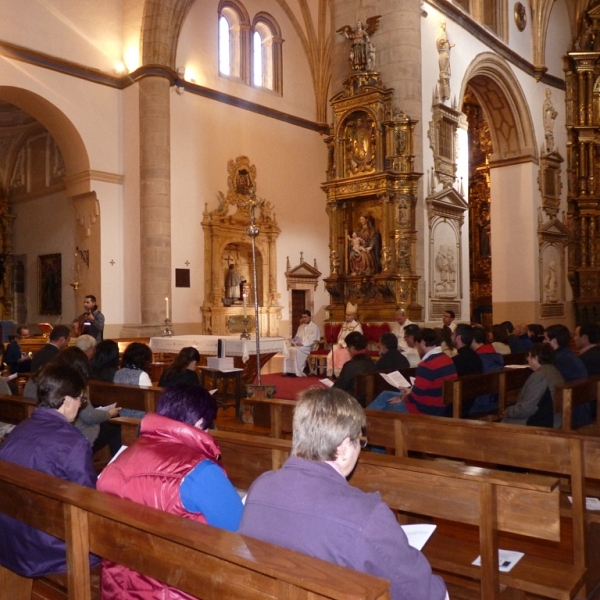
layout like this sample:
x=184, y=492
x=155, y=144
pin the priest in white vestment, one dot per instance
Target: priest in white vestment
x=402, y=321
x=300, y=346
x=339, y=356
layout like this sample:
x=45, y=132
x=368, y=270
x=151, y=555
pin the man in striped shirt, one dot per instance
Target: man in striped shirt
x=426, y=395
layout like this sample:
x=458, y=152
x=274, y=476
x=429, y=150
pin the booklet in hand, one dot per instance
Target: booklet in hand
x=396, y=379
x=326, y=382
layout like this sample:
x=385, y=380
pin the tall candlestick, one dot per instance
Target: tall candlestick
x=167, y=303
x=245, y=307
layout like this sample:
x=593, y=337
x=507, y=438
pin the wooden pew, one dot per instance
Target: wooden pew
x=370, y=385
x=565, y=454
x=576, y=393
x=493, y=501
x=103, y=393
x=204, y=561
x=14, y=409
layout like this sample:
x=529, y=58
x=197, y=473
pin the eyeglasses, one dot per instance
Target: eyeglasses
x=82, y=399
x=363, y=440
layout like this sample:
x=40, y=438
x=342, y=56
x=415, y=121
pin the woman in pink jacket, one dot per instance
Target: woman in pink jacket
x=172, y=466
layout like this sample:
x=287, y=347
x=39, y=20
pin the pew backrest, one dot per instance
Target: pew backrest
x=576, y=393
x=134, y=397
x=204, y=561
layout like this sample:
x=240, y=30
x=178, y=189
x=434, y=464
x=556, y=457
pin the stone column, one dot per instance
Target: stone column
x=155, y=200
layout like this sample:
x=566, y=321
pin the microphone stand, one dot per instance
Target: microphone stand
x=333, y=375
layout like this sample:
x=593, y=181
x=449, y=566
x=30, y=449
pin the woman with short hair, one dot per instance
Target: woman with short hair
x=308, y=506
x=172, y=466
x=49, y=443
x=535, y=403
x=182, y=369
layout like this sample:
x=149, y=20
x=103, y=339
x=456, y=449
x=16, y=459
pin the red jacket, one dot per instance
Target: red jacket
x=150, y=472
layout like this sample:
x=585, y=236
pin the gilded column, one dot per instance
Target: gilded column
x=155, y=198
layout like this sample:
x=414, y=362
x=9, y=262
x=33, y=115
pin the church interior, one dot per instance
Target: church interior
x=156, y=153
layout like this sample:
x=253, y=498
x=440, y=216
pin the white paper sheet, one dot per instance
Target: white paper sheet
x=507, y=559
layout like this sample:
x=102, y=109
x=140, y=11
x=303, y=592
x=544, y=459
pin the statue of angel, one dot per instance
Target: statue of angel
x=362, y=52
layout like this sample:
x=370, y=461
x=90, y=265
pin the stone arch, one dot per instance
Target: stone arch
x=161, y=26
x=505, y=107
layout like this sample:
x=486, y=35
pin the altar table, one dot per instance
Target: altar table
x=243, y=351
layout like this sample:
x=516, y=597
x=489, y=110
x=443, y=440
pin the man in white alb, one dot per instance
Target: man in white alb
x=300, y=346
x=340, y=355
x=398, y=327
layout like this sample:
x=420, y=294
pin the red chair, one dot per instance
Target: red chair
x=317, y=359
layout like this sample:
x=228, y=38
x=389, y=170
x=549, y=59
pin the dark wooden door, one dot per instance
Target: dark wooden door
x=298, y=305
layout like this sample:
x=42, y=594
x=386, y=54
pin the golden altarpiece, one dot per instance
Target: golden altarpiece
x=371, y=197
x=228, y=248
x=582, y=68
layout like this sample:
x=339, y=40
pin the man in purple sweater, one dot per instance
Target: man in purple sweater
x=308, y=505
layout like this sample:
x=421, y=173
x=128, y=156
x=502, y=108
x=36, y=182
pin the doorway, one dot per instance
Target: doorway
x=298, y=305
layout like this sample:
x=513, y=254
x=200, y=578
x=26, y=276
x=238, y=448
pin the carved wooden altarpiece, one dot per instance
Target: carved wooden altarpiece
x=582, y=68
x=371, y=197
x=226, y=242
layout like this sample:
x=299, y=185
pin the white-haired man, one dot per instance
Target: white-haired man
x=402, y=321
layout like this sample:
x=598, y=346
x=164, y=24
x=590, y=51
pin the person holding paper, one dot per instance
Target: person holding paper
x=391, y=358
x=308, y=333
x=426, y=395
x=308, y=506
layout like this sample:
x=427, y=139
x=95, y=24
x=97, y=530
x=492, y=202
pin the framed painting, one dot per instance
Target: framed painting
x=50, y=284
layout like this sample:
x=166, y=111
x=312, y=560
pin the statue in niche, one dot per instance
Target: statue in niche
x=443, y=47
x=233, y=284
x=550, y=284
x=585, y=39
x=550, y=115
x=359, y=146
x=365, y=248
x=404, y=254
x=441, y=265
x=403, y=212
x=451, y=268
x=483, y=222
x=362, y=52
x=243, y=183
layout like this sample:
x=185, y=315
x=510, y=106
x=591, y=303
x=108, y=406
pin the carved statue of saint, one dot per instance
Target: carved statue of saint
x=550, y=283
x=365, y=248
x=443, y=47
x=441, y=265
x=362, y=52
x=233, y=284
x=359, y=146
x=549, y=116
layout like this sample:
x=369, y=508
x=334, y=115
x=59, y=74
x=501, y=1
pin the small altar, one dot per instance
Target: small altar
x=242, y=351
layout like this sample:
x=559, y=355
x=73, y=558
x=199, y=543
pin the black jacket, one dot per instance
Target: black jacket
x=359, y=363
x=467, y=362
x=392, y=360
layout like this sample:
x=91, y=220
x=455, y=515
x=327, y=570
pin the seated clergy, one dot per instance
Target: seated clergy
x=308, y=506
x=339, y=354
x=426, y=395
x=399, y=327
x=360, y=362
x=391, y=358
x=308, y=333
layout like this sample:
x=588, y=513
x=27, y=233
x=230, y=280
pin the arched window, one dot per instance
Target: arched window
x=234, y=28
x=266, y=53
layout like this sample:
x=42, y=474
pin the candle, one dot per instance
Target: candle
x=167, y=303
x=245, y=307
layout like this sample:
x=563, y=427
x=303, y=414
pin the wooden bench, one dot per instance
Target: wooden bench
x=577, y=393
x=565, y=454
x=204, y=561
x=103, y=393
x=493, y=501
x=370, y=385
x=14, y=409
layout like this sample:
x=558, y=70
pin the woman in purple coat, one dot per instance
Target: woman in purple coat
x=308, y=505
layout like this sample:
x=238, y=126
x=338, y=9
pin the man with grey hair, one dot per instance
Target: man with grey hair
x=402, y=321
x=308, y=506
x=87, y=343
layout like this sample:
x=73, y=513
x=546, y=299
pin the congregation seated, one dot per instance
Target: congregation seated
x=87, y=343
x=535, y=332
x=570, y=366
x=16, y=359
x=182, y=369
x=426, y=395
x=391, y=357
x=105, y=362
x=535, y=403
x=308, y=505
x=172, y=466
x=360, y=362
x=49, y=443
x=412, y=334
x=466, y=360
x=58, y=339
x=490, y=359
x=339, y=354
x=587, y=338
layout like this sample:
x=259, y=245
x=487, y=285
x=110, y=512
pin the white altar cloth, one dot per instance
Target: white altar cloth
x=207, y=345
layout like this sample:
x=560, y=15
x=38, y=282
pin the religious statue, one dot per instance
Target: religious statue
x=443, y=47
x=362, y=52
x=359, y=146
x=365, y=248
x=441, y=265
x=233, y=284
x=585, y=39
x=550, y=283
x=549, y=116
